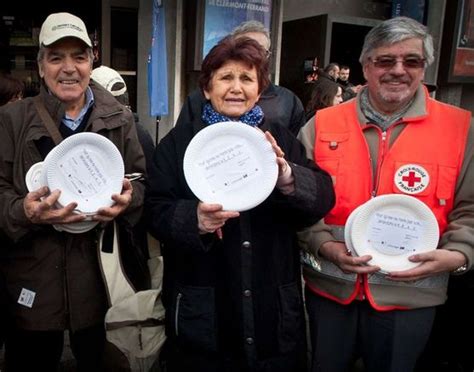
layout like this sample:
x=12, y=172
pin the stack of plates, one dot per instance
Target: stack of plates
x=232, y=164
x=391, y=228
x=87, y=168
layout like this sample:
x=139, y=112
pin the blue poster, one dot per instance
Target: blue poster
x=409, y=8
x=222, y=16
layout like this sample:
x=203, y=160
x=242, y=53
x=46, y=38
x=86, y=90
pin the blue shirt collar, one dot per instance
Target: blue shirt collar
x=73, y=124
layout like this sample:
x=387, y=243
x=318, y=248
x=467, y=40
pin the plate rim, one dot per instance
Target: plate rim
x=229, y=128
x=398, y=262
x=93, y=139
x=30, y=173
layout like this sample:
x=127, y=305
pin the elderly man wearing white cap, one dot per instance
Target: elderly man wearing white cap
x=52, y=277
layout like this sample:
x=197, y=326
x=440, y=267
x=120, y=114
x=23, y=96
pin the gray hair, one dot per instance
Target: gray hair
x=42, y=52
x=395, y=30
x=251, y=26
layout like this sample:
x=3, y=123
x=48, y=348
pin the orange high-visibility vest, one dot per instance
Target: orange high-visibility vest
x=424, y=161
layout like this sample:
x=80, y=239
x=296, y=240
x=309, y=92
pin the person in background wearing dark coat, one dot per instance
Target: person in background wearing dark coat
x=53, y=279
x=349, y=90
x=279, y=104
x=330, y=72
x=111, y=80
x=134, y=253
x=232, y=280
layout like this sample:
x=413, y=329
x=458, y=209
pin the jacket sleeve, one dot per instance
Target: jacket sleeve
x=191, y=106
x=171, y=208
x=13, y=220
x=134, y=160
x=459, y=234
x=311, y=238
x=297, y=116
x=314, y=196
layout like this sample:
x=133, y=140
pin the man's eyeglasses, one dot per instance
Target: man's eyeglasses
x=389, y=62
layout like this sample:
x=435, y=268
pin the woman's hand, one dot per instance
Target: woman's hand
x=212, y=217
x=283, y=166
x=286, y=181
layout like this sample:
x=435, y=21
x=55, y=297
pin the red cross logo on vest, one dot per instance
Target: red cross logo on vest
x=411, y=178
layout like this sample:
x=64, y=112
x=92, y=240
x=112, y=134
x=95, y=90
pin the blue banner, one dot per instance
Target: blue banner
x=157, y=64
x=222, y=16
x=409, y=8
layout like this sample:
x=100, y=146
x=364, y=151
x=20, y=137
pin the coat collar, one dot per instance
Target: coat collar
x=105, y=106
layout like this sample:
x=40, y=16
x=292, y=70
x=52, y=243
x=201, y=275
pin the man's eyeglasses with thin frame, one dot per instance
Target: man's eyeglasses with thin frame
x=388, y=63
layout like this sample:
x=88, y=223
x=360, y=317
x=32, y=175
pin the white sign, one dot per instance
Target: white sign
x=26, y=298
x=394, y=235
x=83, y=172
x=228, y=167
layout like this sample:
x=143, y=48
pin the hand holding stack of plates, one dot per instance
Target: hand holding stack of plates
x=391, y=228
x=232, y=164
x=88, y=169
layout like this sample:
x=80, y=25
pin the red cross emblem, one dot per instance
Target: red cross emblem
x=411, y=179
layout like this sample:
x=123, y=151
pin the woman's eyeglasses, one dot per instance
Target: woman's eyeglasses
x=387, y=63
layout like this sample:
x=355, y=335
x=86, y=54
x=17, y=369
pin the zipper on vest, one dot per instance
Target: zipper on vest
x=380, y=159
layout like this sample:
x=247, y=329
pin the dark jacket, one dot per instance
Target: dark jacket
x=280, y=106
x=347, y=92
x=239, y=297
x=61, y=269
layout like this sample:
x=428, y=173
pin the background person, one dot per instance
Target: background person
x=53, y=278
x=393, y=122
x=111, y=80
x=11, y=89
x=330, y=72
x=280, y=105
x=349, y=90
x=325, y=94
x=235, y=303
x=134, y=260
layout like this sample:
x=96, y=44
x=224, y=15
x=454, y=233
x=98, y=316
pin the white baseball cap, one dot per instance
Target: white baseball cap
x=107, y=77
x=60, y=25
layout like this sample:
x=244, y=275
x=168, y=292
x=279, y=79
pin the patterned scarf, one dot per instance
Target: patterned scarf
x=253, y=117
x=381, y=120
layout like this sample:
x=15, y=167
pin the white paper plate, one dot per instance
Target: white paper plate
x=77, y=227
x=348, y=230
x=391, y=228
x=232, y=164
x=87, y=168
x=34, y=177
